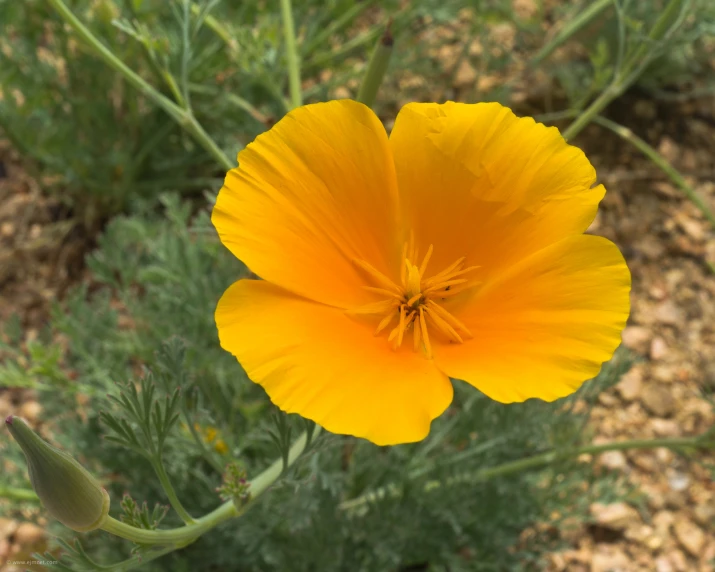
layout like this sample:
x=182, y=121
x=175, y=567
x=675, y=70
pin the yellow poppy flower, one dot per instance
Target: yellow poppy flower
x=451, y=249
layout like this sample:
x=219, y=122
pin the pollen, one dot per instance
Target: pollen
x=413, y=306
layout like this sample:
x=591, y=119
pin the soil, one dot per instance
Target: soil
x=670, y=249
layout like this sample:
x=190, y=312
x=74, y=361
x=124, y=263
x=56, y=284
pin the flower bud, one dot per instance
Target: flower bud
x=66, y=489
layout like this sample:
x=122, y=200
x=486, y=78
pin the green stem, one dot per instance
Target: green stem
x=379, y=61
x=296, y=96
x=570, y=29
x=598, y=105
x=181, y=116
x=170, y=492
x=336, y=25
x=186, y=534
x=15, y=494
x=667, y=23
x=520, y=465
x=660, y=162
x=627, y=135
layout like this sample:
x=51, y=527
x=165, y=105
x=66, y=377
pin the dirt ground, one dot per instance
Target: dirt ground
x=668, y=245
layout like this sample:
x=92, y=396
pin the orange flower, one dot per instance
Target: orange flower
x=451, y=249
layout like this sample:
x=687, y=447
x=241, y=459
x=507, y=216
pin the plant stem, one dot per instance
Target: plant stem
x=336, y=25
x=296, y=96
x=186, y=534
x=379, y=61
x=16, y=494
x=170, y=492
x=570, y=29
x=598, y=105
x=660, y=162
x=527, y=463
x=183, y=117
x=667, y=23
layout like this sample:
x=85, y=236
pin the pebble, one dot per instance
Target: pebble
x=668, y=313
x=631, y=384
x=704, y=515
x=613, y=460
x=658, y=349
x=690, y=536
x=636, y=338
x=617, y=516
x=658, y=400
x=7, y=527
x=28, y=533
x=30, y=410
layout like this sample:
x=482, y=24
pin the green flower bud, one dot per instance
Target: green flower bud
x=66, y=489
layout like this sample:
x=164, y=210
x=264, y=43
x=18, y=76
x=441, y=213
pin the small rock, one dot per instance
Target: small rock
x=658, y=400
x=665, y=427
x=613, y=460
x=690, y=536
x=658, y=349
x=617, y=516
x=669, y=149
x=30, y=410
x=668, y=313
x=631, y=384
x=674, y=500
x=7, y=527
x=341, y=92
x=704, y=515
x=662, y=564
x=28, y=533
x=680, y=562
x=636, y=338
x=615, y=561
x=466, y=75
x=679, y=481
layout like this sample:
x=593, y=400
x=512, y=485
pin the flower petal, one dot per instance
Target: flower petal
x=314, y=360
x=477, y=181
x=315, y=192
x=547, y=325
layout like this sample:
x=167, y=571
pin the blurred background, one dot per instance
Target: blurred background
x=107, y=251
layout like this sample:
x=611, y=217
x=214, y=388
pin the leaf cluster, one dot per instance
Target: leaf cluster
x=156, y=281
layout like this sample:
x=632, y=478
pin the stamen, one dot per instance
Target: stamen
x=385, y=322
x=379, y=276
x=384, y=292
x=444, y=285
x=425, y=335
x=447, y=317
x=444, y=327
x=375, y=308
x=415, y=300
x=417, y=330
x=423, y=266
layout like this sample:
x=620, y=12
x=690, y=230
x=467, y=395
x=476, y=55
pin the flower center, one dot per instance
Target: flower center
x=414, y=303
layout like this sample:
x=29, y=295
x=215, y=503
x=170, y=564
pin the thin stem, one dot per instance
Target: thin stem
x=640, y=58
x=336, y=25
x=186, y=534
x=296, y=96
x=571, y=28
x=379, y=61
x=660, y=162
x=169, y=490
x=185, y=119
x=520, y=465
x=598, y=105
x=16, y=494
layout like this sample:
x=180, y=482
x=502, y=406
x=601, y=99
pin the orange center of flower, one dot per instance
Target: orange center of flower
x=414, y=302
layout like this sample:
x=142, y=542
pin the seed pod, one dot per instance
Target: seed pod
x=66, y=489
